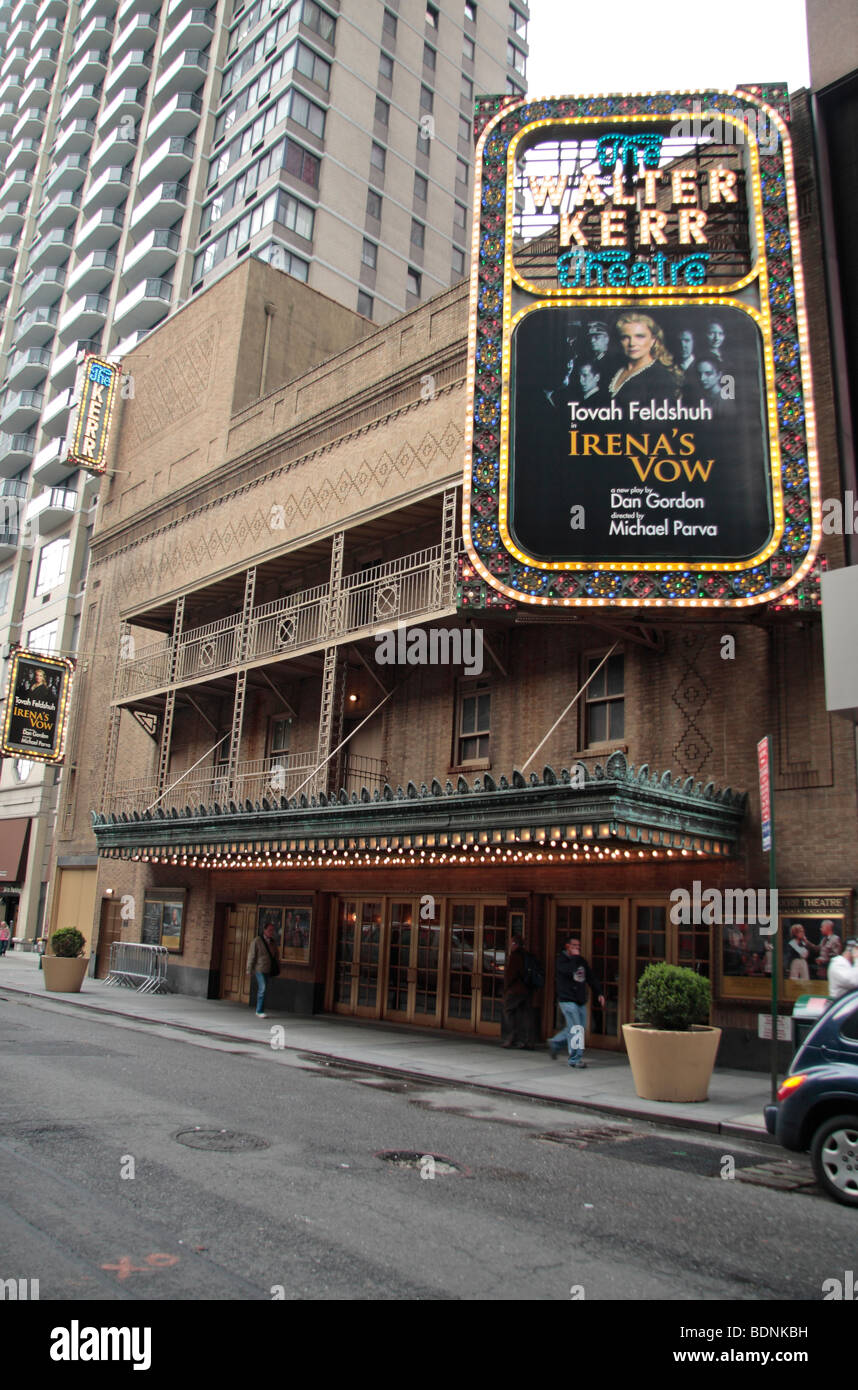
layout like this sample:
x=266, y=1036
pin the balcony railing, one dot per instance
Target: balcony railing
x=414, y=586
x=254, y=780
x=149, y=669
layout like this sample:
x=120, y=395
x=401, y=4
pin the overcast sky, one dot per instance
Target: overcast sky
x=662, y=45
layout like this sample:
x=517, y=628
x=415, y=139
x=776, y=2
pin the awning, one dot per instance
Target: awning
x=615, y=812
x=14, y=835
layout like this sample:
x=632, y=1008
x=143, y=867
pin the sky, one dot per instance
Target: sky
x=662, y=45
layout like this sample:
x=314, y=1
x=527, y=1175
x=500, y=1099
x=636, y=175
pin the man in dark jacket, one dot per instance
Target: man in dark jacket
x=518, y=1021
x=572, y=976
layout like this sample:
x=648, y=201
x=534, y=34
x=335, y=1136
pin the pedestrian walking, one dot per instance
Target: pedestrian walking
x=262, y=961
x=518, y=1019
x=5, y=938
x=572, y=976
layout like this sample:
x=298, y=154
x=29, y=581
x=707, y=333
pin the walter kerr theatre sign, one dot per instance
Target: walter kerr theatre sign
x=641, y=427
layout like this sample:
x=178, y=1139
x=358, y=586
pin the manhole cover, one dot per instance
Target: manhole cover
x=786, y=1175
x=225, y=1141
x=428, y=1165
x=580, y=1138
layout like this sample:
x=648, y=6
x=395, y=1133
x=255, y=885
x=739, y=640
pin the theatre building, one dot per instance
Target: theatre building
x=298, y=701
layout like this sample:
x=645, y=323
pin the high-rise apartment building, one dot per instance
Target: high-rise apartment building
x=147, y=147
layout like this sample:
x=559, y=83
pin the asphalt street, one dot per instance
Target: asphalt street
x=142, y=1163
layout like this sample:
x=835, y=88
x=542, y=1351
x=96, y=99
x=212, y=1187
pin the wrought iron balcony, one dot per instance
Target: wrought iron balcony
x=254, y=780
x=413, y=587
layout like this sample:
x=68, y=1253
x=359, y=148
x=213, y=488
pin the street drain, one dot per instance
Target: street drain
x=225, y=1141
x=428, y=1165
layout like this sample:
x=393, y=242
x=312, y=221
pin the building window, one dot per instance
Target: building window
x=458, y=261
x=279, y=735
x=378, y=157
x=467, y=88
x=427, y=98
x=388, y=26
x=421, y=190
x=465, y=130
x=413, y=281
x=469, y=48
x=418, y=233
x=473, y=722
x=470, y=12
x=518, y=22
x=364, y=304
x=430, y=57
x=462, y=171
x=605, y=704
x=44, y=638
x=373, y=204
x=432, y=16
x=281, y=258
x=369, y=254
x=460, y=215
x=513, y=89
x=385, y=65
x=5, y=582
x=516, y=58
x=382, y=111
x=53, y=561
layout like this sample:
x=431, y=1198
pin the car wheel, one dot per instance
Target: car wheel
x=834, y=1153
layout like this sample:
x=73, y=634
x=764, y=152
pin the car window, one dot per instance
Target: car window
x=849, y=1025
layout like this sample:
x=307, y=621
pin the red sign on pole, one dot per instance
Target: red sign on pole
x=765, y=792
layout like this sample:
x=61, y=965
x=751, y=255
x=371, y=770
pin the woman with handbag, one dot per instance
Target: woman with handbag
x=263, y=962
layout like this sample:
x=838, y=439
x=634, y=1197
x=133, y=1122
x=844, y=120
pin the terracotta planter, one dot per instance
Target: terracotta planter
x=671, y=1066
x=64, y=974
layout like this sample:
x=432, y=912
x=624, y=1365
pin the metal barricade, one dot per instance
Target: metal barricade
x=138, y=966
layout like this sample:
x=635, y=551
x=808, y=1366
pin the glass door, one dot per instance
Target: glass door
x=601, y=947
x=357, y=957
x=599, y=927
x=413, y=960
x=477, y=937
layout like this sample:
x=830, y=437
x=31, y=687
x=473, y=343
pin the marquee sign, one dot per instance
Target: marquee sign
x=638, y=365
x=92, y=431
x=37, y=696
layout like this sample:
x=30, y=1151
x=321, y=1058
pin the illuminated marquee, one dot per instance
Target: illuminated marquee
x=37, y=697
x=638, y=366
x=100, y=381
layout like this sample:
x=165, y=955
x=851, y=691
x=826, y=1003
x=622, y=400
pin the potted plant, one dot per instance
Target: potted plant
x=671, y=1047
x=65, y=964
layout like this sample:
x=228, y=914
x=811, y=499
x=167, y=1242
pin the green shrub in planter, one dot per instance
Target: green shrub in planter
x=672, y=998
x=68, y=941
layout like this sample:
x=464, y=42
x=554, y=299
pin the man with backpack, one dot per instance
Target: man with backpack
x=572, y=976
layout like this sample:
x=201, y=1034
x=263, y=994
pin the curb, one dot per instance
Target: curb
x=726, y=1127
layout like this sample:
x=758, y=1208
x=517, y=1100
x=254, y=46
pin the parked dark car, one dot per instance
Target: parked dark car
x=817, y=1105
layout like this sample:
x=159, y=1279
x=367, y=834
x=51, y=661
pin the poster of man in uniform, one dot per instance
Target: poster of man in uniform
x=638, y=433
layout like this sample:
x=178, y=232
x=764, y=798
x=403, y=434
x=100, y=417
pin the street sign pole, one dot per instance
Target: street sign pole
x=767, y=820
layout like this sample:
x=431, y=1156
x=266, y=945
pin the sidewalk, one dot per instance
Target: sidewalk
x=736, y=1098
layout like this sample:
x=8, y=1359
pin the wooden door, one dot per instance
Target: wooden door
x=240, y=930
x=109, y=930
